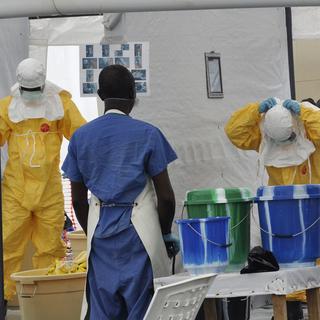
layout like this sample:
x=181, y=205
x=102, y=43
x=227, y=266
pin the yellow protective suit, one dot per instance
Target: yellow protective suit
x=33, y=204
x=243, y=130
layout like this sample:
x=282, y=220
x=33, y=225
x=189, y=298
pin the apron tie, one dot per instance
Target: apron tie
x=115, y=204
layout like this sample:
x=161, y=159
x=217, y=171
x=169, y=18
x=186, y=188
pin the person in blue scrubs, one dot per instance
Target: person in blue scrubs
x=113, y=156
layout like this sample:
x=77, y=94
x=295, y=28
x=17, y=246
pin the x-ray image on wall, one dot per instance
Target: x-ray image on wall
x=139, y=74
x=105, y=50
x=104, y=62
x=89, y=50
x=95, y=57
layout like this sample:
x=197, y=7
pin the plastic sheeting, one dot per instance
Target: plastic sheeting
x=306, y=23
x=66, y=31
x=63, y=70
x=13, y=48
x=254, y=62
x=254, y=66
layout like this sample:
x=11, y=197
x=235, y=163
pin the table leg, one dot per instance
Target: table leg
x=279, y=307
x=313, y=300
x=210, y=311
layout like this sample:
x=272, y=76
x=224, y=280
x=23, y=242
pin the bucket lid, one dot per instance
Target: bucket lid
x=209, y=219
x=218, y=195
x=299, y=191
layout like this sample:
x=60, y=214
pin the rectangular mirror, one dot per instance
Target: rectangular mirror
x=213, y=72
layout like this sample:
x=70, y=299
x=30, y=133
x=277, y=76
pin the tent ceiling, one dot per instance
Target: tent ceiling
x=23, y=8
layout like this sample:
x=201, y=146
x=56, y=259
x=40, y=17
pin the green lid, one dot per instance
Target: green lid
x=219, y=195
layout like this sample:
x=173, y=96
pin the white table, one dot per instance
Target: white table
x=278, y=284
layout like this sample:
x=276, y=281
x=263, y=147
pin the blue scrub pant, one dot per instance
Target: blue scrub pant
x=120, y=277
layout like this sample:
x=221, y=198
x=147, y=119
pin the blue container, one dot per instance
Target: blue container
x=204, y=244
x=289, y=222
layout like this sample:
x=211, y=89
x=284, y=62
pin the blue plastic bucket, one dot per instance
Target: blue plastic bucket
x=289, y=223
x=204, y=244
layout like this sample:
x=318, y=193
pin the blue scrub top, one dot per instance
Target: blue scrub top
x=113, y=155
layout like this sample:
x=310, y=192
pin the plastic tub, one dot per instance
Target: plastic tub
x=204, y=244
x=26, y=265
x=289, y=222
x=49, y=297
x=78, y=241
x=233, y=202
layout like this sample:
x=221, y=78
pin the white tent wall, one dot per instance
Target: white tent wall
x=252, y=43
x=14, y=42
x=307, y=68
x=63, y=70
x=306, y=45
x=306, y=23
x=254, y=66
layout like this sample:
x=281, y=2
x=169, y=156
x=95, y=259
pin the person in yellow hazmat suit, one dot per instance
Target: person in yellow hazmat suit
x=301, y=165
x=33, y=121
x=287, y=137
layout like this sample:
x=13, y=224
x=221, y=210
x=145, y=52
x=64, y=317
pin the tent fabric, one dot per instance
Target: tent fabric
x=254, y=61
x=14, y=42
x=66, y=31
x=306, y=23
x=63, y=70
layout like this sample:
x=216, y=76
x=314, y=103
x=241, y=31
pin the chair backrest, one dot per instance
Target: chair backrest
x=180, y=300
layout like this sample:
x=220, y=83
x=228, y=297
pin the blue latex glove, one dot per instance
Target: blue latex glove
x=267, y=104
x=292, y=105
x=172, y=243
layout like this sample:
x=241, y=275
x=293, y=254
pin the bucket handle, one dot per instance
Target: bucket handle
x=23, y=295
x=284, y=236
x=237, y=225
x=182, y=212
x=221, y=245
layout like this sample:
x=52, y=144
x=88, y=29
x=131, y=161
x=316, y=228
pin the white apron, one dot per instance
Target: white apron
x=145, y=219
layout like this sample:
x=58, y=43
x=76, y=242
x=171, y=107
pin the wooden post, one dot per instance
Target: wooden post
x=210, y=311
x=279, y=307
x=313, y=300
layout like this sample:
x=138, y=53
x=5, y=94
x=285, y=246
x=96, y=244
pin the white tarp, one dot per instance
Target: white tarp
x=14, y=38
x=14, y=42
x=252, y=44
x=66, y=31
x=306, y=23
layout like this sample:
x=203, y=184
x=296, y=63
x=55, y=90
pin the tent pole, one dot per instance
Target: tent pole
x=36, y=8
x=290, y=53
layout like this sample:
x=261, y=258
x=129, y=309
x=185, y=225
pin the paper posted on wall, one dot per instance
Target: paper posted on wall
x=132, y=55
